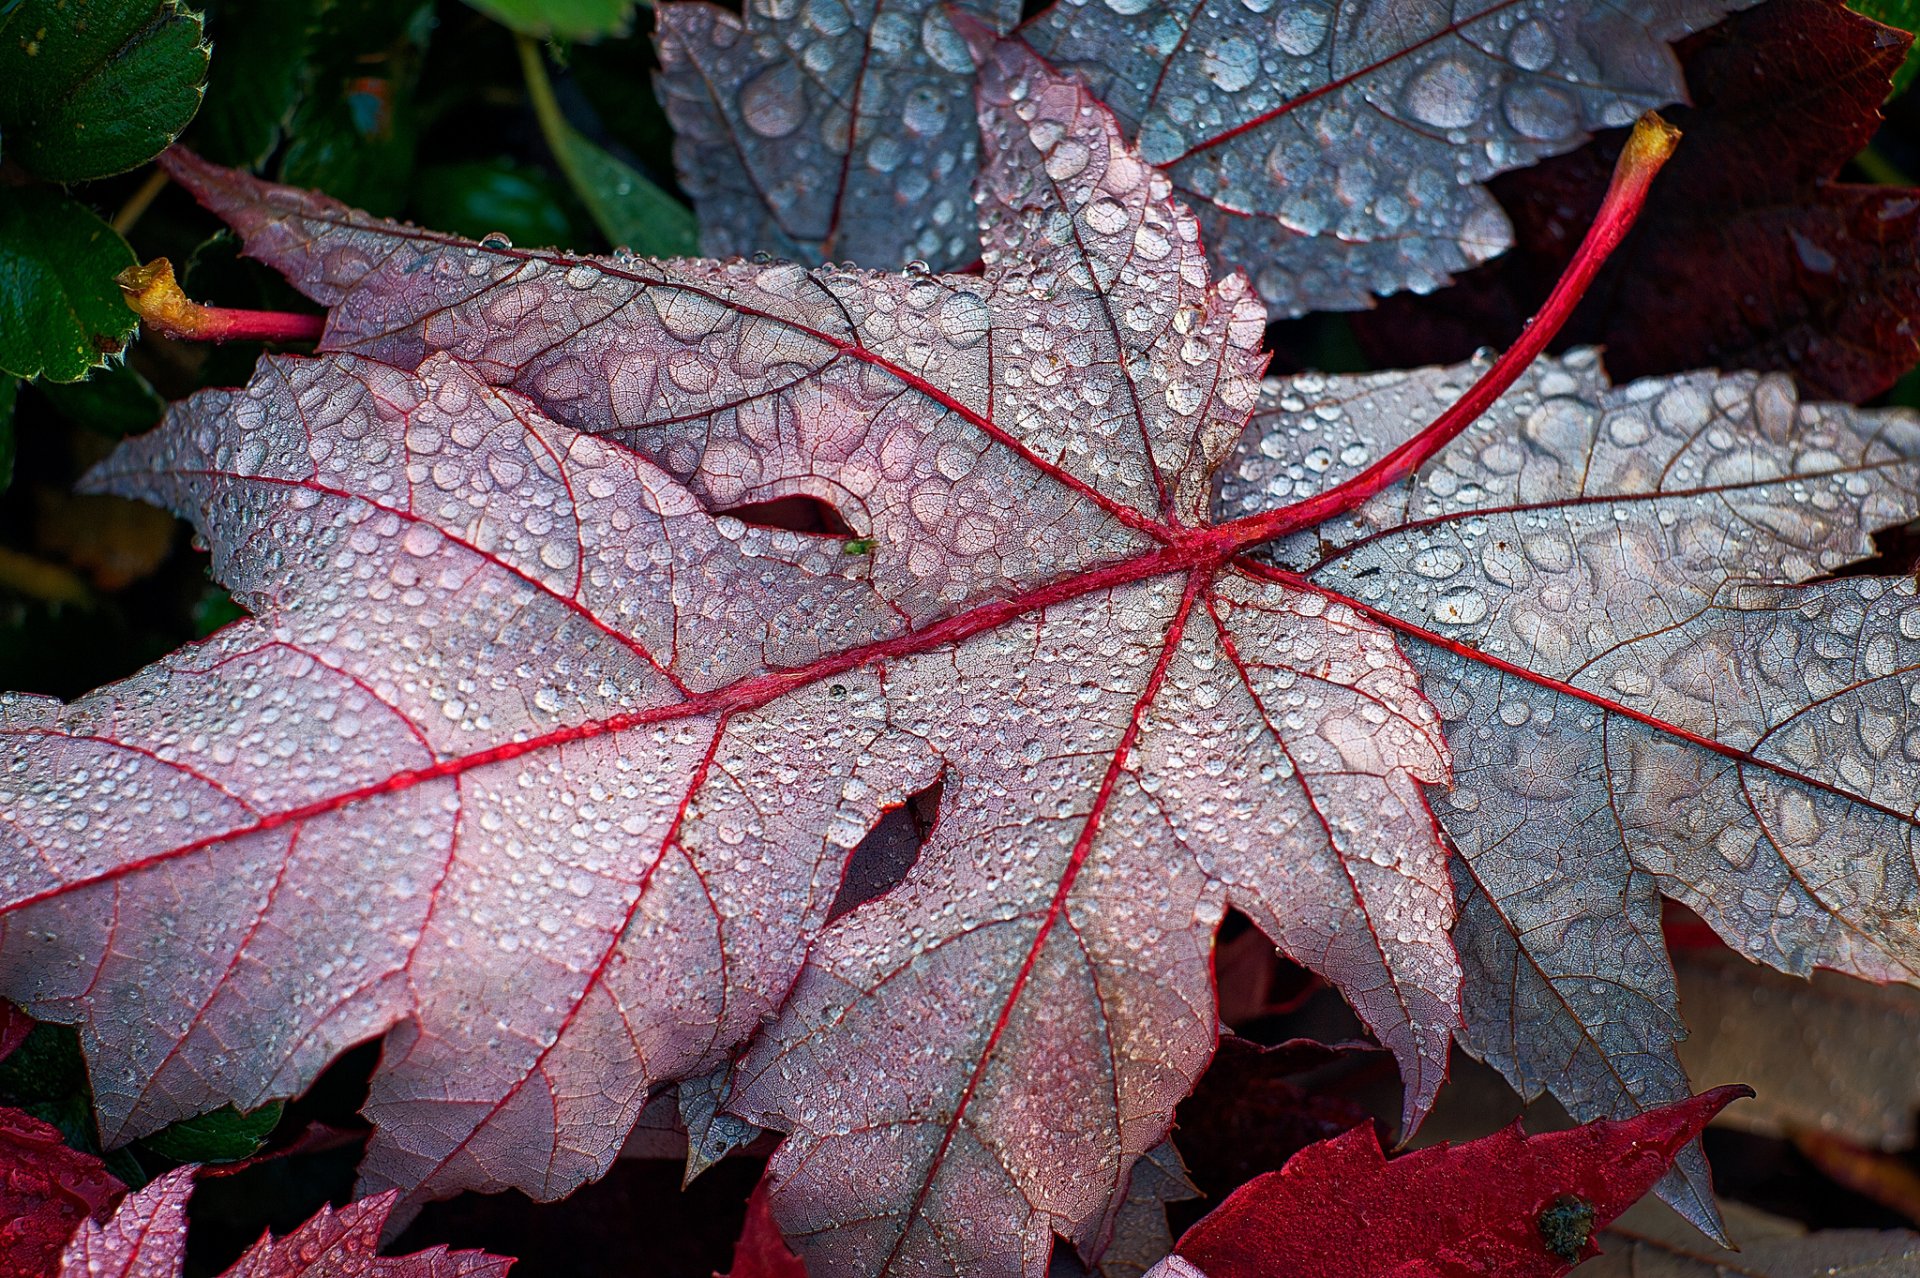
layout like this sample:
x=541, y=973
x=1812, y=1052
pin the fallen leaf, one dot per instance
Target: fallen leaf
x=1508, y=1204
x=1827, y=1054
x=1828, y=278
x=481, y=636
x=147, y=1238
x=1883, y=1178
x=1596, y=584
x=577, y=758
x=848, y=140
x=1334, y=151
x=46, y=1190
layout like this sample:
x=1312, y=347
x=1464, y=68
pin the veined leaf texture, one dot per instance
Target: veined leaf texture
x=536, y=760
x=1332, y=149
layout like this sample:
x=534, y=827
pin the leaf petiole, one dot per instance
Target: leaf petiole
x=1648, y=148
x=164, y=308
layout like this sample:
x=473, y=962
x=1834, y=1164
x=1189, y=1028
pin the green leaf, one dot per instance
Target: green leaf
x=92, y=87
x=1904, y=14
x=480, y=198
x=258, y=79
x=355, y=132
x=60, y=311
x=630, y=210
x=115, y=402
x=46, y=1076
x=213, y=609
x=561, y=19
x=224, y=1136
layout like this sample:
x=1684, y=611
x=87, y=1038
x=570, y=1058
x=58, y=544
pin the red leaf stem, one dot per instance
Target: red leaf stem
x=164, y=308
x=1649, y=147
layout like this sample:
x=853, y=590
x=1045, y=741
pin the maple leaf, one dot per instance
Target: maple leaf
x=1829, y=283
x=1598, y=586
x=761, y=1252
x=1334, y=151
x=850, y=138
x=1509, y=1204
x=46, y=1190
x=532, y=759
x=147, y=1238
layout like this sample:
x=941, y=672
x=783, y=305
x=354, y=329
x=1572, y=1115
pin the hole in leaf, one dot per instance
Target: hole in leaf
x=1896, y=553
x=796, y=513
x=890, y=849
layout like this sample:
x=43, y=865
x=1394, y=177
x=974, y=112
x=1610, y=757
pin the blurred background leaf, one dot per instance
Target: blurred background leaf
x=561, y=19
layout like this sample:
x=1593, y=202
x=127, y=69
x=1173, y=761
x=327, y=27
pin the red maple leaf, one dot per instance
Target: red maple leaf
x=46, y=1190
x=147, y=1238
x=1508, y=1204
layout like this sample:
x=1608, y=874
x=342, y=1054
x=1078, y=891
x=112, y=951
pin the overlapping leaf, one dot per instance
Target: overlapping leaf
x=1827, y=285
x=1333, y=150
x=1601, y=587
x=1509, y=1204
x=835, y=135
x=147, y=1238
x=532, y=757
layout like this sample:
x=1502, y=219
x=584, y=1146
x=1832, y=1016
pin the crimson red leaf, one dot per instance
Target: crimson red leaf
x=1827, y=284
x=15, y=1025
x=46, y=1190
x=761, y=1251
x=1509, y=1204
x=147, y=1238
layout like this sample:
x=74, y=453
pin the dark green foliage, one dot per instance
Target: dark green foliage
x=481, y=197
x=257, y=79
x=94, y=87
x=356, y=130
x=563, y=19
x=60, y=311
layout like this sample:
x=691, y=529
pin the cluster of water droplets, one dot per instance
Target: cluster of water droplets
x=1357, y=137
x=854, y=125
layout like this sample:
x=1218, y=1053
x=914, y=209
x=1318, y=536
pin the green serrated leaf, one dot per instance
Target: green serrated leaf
x=628, y=208
x=1904, y=14
x=93, y=87
x=60, y=311
x=257, y=80
x=225, y=1136
x=560, y=19
x=480, y=198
